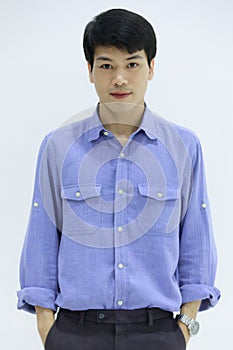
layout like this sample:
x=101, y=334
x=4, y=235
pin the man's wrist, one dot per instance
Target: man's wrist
x=187, y=318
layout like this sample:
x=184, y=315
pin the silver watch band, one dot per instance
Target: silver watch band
x=193, y=325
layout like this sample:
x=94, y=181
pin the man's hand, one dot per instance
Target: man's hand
x=191, y=310
x=45, y=320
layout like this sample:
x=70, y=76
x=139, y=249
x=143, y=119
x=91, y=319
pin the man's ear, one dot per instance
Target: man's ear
x=90, y=73
x=151, y=69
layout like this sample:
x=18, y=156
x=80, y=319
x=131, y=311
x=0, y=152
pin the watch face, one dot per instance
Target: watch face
x=194, y=327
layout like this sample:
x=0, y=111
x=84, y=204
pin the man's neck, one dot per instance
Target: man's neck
x=122, y=119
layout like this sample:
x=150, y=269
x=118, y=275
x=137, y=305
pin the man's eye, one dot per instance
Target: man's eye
x=132, y=65
x=106, y=66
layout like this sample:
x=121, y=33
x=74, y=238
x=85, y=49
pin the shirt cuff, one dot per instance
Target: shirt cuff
x=30, y=297
x=208, y=295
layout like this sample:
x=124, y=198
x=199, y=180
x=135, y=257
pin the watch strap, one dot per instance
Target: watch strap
x=192, y=325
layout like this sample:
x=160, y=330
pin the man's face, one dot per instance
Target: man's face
x=120, y=76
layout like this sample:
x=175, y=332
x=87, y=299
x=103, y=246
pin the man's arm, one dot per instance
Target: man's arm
x=191, y=310
x=38, y=262
x=45, y=320
x=197, y=253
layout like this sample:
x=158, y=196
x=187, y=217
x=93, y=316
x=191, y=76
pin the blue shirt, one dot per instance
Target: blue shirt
x=115, y=227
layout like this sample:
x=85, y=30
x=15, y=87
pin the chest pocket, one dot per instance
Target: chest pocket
x=81, y=209
x=158, y=209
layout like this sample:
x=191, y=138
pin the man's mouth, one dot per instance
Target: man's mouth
x=120, y=94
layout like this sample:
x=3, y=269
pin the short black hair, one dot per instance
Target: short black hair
x=122, y=29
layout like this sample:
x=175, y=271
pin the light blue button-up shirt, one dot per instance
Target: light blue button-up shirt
x=115, y=227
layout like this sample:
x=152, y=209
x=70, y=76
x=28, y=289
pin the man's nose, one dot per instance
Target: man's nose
x=119, y=78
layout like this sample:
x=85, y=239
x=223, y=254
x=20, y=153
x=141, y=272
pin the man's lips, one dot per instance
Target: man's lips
x=120, y=94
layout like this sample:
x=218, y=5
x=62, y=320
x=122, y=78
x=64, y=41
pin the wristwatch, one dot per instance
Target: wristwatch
x=193, y=325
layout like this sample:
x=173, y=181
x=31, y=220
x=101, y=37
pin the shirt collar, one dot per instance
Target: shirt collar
x=148, y=125
x=95, y=126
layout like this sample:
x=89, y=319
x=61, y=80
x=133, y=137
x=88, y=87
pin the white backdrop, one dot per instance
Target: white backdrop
x=44, y=81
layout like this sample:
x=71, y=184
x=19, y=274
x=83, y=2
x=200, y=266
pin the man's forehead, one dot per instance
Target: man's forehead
x=114, y=52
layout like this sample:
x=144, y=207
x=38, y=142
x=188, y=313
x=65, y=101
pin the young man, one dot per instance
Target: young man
x=120, y=235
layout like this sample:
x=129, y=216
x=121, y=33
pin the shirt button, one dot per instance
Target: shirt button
x=119, y=229
x=120, y=302
x=160, y=194
x=122, y=154
x=78, y=194
x=35, y=204
x=203, y=205
x=101, y=316
x=120, y=266
x=120, y=191
x=106, y=133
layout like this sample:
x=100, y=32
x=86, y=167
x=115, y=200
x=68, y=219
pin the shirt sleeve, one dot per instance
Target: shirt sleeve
x=198, y=258
x=38, y=263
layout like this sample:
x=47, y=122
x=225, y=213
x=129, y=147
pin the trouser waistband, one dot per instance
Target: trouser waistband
x=117, y=316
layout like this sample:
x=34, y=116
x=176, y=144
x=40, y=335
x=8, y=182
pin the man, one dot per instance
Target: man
x=120, y=236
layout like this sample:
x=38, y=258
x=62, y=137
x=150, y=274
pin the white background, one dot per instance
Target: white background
x=44, y=81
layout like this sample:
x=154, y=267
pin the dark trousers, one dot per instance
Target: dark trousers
x=144, y=329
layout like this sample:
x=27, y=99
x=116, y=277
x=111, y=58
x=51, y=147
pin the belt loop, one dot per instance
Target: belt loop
x=150, y=317
x=81, y=317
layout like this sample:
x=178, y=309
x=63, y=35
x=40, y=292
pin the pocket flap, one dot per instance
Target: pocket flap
x=80, y=192
x=158, y=192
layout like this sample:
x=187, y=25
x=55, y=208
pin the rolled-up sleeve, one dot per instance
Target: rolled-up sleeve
x=38, y=263
x=198, y=257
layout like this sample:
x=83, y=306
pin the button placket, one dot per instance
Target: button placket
x=119, y=219
x=121, y=276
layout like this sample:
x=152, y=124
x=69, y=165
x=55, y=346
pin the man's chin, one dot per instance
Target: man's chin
x=121, y=106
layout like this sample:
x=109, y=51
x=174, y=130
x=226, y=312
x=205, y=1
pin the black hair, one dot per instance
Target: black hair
x=122, y=29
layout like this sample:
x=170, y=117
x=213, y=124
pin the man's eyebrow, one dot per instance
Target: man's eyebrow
x=135, y=57
x=103, y=58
